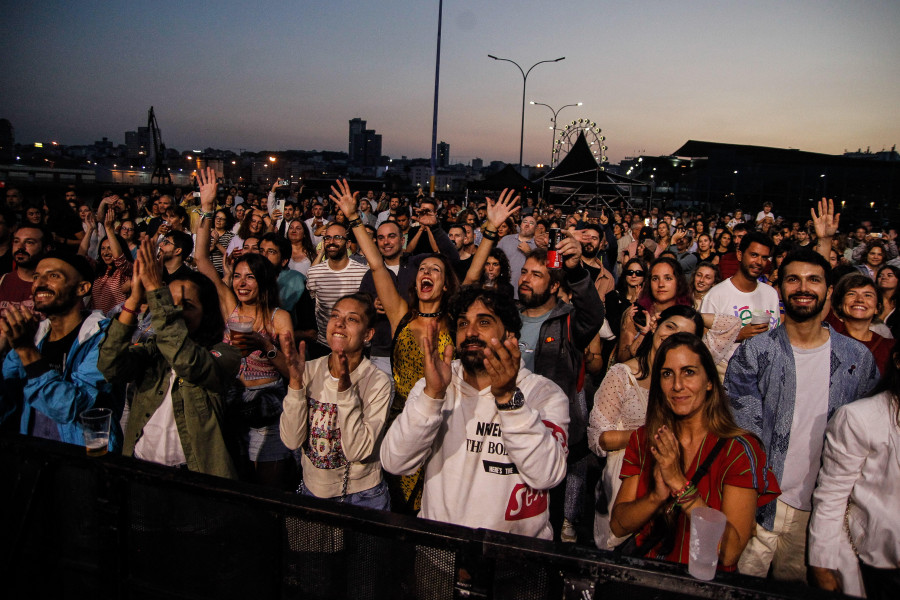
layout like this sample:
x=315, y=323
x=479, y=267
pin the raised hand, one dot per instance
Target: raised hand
x=437, y=367
x=344, y=199
x=570, y=248
x=109, y=220
x=507, y=205
x=825, y=221
x=151, y=266
x=296, y=359
x=206, y=179
x=19, y=326
x=501, y=360
x=137, y=286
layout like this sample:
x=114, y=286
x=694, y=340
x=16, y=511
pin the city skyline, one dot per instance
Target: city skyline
x=818, y=76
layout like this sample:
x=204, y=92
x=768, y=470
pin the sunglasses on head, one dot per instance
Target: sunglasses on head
x=633, y=273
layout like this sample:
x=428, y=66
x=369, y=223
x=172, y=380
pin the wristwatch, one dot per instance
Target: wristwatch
x=271, y=354
x=517, y=401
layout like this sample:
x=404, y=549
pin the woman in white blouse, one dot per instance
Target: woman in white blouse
x=856, y=505
x=620, y=404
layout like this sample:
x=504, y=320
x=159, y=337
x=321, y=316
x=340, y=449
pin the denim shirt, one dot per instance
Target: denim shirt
x=762, y=383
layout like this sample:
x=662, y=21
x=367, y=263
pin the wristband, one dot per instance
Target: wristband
x=354, y=222
x=208, y=215
x=490, y=235
x=129, y=311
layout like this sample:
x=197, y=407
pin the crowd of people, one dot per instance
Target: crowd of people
x=476, y=363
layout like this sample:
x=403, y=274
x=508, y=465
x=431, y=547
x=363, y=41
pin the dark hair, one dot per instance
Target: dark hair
x=306, y=242
x=368, y=303
x=683, y=293
x=756, y=237
x=502, y=305
x=504, y=276
x=852, y=281
x=451, y=282
x=183, y=241
x=871, y=245
x=244, y=230
x=76, y=261
x=212, y=325
x=706, y=263
x=717, y=408
x=622, y=284
x=229, y=218
x=179, y=211
x=643, y=352
x=284, y=246
x=719, y=239
x=740, y=227
x=805, y=255
x=895, y=271
x=266, y=282
x=540, y=255
x=100, y=267
x=46, y=236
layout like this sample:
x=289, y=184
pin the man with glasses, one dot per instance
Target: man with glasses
x=330, y=280
x=174, y=248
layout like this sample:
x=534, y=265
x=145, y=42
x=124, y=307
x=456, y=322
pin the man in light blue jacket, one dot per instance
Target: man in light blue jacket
x=50, y=373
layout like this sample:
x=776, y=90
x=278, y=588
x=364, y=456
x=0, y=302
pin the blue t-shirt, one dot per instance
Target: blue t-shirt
x=530, y=336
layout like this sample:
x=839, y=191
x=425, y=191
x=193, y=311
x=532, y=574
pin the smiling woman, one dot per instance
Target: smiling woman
x=856, y=302
x=689, y=455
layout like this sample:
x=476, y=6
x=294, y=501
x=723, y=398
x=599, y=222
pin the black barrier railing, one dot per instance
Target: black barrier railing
x=111, y=527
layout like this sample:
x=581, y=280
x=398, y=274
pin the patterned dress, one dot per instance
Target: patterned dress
x=408, y=367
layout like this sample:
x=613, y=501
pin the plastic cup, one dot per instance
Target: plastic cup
x=759, y=319
x=239, y=325
x=95, y=427
x=707, y=527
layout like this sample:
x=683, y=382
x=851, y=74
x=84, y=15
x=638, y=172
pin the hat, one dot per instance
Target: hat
x=77, y=262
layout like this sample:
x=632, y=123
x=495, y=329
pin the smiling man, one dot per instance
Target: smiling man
x=29, y=245
x=491, y=434
x=50, y=375
x=784, y=385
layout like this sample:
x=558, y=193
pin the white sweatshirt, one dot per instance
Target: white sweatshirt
x=485, y=468
x=337, y=427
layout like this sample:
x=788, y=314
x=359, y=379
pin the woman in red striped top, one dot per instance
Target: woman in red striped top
x=687, y=414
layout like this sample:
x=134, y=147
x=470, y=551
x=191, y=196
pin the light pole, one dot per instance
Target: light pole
x=524, y=82
x=553, y=120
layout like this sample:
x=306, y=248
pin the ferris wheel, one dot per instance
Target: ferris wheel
x=566, y=137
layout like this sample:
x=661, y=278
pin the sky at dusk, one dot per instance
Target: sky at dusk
x=817, y=75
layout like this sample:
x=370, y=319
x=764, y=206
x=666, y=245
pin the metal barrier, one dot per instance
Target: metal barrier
x=111, y=527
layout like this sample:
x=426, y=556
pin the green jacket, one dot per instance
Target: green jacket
x=197, y=395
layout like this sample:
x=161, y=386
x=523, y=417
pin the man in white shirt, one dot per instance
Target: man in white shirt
x=330, y=280
x=490, y=433
x=742, y=295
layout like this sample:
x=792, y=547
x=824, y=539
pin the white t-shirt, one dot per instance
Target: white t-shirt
x=763, y=215
x=725, y=299
x=159, y=441
x=804, y=454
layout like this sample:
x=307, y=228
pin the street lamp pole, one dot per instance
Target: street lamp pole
x=524, y=82
x=555, y=114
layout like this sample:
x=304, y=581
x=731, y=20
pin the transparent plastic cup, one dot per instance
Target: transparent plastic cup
x=237, y=327
x=760, y=319
x=707, y=527
x=95, y=424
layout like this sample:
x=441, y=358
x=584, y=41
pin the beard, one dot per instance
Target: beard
x=472, y=360
x=334, y=252
x=532, y=299
x=801, y=314
x=592, y=253
x=60, y=303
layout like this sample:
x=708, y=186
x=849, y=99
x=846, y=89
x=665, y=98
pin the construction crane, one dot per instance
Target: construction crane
x=161, y=173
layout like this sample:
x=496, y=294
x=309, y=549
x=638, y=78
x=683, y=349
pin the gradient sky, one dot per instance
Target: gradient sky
x=816, y=75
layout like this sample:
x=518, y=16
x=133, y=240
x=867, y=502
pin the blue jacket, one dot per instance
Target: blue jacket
x=762, y=383
x=63, y=396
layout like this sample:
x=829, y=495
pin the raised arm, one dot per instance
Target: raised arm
x=109, y=223
x=497, y=213
x=206, y=179
x=395, y=307
x=825, y=223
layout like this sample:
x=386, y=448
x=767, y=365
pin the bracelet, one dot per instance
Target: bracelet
x=129, y=311
x=354, y=222
x=682, y=491
x=208, y=215
x=490, y=235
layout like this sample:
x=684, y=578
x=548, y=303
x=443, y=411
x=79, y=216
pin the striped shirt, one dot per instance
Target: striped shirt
x=326, y=286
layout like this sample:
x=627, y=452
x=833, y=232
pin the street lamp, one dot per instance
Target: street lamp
x=553, y=120
x=524, y=82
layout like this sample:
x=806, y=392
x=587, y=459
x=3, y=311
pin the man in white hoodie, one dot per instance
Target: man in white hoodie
x=491, y=434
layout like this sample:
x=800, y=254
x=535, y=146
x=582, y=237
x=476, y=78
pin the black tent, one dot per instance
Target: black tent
x=579, y=181
x=507, y=177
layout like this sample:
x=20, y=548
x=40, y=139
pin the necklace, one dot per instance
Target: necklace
x=431, y=315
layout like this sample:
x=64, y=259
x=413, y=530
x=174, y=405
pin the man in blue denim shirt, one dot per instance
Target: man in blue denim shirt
x=50, y=375
x=785, y=384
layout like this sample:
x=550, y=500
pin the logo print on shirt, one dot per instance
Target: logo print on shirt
x=525, y=503
x=558, y=433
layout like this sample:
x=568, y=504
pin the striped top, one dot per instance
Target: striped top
x=326, y=286
x=741, y=463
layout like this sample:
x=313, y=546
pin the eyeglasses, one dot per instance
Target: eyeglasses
x=632, y=273
x=336, y=238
